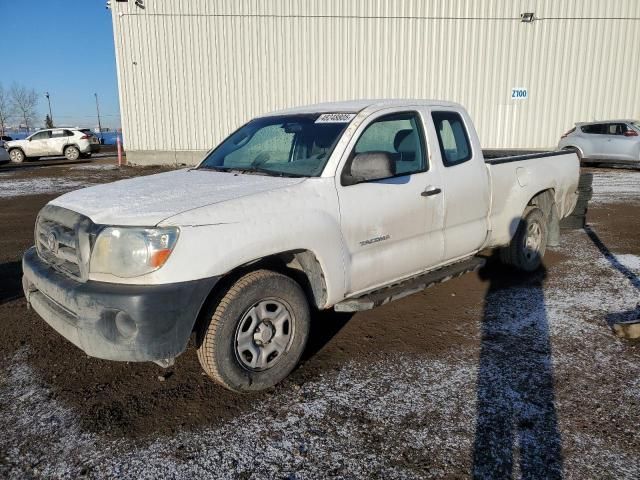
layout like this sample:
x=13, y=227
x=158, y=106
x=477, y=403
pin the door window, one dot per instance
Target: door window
x=41, y=135
x=400, y=136
x=452, y=137
x=595, y=129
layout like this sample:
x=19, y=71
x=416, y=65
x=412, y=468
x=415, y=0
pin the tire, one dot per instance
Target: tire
x=17, y=156
x=71, y=153
x=236, y=346
x=573, y=222
x=527, y=247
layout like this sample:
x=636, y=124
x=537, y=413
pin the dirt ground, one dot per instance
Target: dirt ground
x=493, y=374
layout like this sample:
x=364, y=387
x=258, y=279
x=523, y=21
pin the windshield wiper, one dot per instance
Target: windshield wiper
x=276, y=173
x=249, y=170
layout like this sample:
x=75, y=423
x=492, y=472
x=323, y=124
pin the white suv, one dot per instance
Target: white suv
x=73, y=143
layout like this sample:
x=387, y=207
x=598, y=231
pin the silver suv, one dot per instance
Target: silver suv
x=611, y=141
x=70, y=142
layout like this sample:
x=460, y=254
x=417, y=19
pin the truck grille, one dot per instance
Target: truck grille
x=62, y=240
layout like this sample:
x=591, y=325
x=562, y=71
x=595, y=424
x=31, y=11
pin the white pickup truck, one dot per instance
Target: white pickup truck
x=342, y=205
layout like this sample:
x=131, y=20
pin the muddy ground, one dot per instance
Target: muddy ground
x=493, y=374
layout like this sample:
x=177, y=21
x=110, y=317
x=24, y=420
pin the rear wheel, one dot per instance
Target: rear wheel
x=16, y=155
x=256, y=333
x=528, y=245
x=71, y=153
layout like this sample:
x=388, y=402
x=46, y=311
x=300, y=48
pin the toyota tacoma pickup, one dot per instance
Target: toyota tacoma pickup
x=343, y=205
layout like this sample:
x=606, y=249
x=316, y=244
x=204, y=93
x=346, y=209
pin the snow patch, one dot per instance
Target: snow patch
x=38, y=186
x=98, y=166
x=631, y=262
x=616, y=187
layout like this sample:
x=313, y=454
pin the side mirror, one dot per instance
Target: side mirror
x=370, y=166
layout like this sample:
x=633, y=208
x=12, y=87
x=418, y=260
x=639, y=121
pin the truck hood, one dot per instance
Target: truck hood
x=146, y=201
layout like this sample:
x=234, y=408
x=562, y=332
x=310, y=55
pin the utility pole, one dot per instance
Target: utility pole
x=98, y=110
x=46, y=94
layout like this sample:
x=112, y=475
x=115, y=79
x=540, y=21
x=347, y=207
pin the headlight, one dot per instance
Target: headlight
x=131, y=252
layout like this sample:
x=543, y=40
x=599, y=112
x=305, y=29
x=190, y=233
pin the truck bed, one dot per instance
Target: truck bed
x=505, y=156
x=516, y=178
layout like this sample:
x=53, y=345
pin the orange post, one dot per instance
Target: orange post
x=119, y=144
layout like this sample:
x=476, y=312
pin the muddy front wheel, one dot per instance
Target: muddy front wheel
x=256, y=333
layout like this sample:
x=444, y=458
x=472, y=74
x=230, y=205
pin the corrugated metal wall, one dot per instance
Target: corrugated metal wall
x=191, y=71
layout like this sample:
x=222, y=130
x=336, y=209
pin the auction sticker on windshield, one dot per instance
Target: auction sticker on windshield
x=335, y=118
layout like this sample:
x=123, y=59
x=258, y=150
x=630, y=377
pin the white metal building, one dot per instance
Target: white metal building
x=191, y=71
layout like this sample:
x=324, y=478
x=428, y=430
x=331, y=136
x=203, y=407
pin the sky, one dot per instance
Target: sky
x=64, y=47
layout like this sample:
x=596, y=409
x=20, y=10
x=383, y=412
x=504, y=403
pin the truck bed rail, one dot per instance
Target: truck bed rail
x=494, y=157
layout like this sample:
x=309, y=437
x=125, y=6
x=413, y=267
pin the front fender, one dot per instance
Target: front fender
x=220, y=237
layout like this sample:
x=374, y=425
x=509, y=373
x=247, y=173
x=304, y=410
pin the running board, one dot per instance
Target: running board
x=413, y=285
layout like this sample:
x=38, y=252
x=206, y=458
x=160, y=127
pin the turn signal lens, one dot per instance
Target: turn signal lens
x=159, y=258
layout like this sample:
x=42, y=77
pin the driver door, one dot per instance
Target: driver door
x=38, y=144
x=392, y=227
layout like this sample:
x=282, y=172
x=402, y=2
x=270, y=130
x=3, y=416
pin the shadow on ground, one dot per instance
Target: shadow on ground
x=324, y=326
x=617, y=317
x=516, y=428
x=11, y=281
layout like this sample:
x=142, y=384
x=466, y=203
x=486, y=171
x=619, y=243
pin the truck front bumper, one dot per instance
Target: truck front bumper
x=115, y=321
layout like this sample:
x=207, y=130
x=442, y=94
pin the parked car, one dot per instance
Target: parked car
x=70, y=142
x=4, y=156
x=343, y=205
x=611, y=141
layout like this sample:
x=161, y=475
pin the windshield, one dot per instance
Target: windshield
x=291, y=145
x=637, y=125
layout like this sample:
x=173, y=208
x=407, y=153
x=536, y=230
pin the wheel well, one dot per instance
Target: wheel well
x=577, y=149
x=300, y=265
x=16, y=148
x=546, y=201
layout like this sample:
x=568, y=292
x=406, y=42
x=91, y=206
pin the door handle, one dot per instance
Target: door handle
x=433, y=191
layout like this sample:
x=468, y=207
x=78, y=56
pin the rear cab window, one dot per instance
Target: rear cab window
x=453, y=138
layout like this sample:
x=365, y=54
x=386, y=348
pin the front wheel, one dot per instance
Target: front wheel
x=16, y=156
x=527, y=247
x=257, y=332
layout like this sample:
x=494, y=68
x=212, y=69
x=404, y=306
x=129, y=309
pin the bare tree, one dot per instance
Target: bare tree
x=5, y=109
x=24, y=101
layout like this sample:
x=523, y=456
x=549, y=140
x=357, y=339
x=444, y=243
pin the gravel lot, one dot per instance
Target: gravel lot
x=489, y=375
